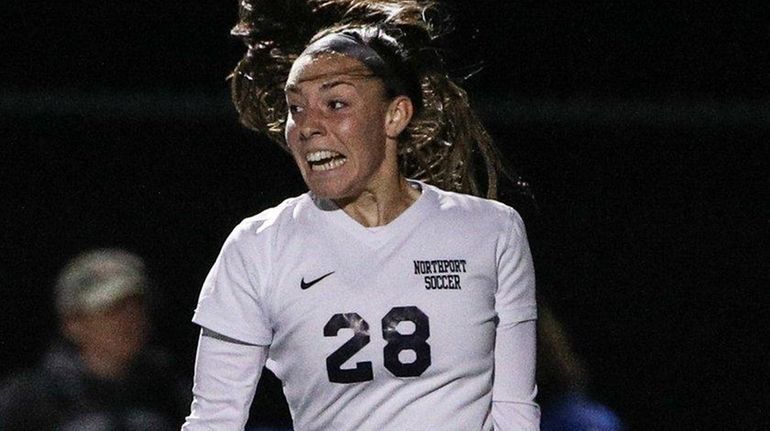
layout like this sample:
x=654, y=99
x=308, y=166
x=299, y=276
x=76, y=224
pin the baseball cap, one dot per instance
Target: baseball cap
x=97, y=279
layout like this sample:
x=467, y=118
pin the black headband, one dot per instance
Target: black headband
x=350, y=46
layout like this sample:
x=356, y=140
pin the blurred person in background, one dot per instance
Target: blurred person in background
x=100, y=374
x=566, y=404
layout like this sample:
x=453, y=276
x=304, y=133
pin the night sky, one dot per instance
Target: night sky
x=643, y=131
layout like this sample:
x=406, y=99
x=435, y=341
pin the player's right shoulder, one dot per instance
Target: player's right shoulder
x=272, y=220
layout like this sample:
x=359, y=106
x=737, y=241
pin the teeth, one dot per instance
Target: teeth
x=320, y=155
x=324, y=160
x=334, y=163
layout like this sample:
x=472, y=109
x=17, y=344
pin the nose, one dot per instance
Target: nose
x=311, y=125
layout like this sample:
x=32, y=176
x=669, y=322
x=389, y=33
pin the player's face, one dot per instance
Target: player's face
x=336, y=125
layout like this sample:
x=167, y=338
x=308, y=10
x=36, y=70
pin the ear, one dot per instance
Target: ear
x=399, y=115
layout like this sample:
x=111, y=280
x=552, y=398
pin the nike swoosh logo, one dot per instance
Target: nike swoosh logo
x=304, y=285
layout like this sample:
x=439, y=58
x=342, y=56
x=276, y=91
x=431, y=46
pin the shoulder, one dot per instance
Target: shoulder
x=259, y=238
x=21, y=383
x=288, y=210
x=480, y=210
x=272, y=221
x=18, y=392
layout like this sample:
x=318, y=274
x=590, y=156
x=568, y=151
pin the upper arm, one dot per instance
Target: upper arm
x=231, y=301
x=515, y=295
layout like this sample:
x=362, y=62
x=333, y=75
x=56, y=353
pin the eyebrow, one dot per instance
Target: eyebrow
x=293, y=88
x=332, y=84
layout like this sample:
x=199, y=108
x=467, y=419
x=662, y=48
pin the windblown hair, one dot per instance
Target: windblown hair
x=443, y=139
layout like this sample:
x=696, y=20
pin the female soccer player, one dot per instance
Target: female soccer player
x=381, y=300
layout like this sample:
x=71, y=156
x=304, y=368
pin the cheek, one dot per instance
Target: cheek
x=363, y=133
x=369, y=139
x=347, y=130
x=292, y=138
x=290, y=133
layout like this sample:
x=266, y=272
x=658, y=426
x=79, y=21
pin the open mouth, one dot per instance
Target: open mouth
x=325, y=160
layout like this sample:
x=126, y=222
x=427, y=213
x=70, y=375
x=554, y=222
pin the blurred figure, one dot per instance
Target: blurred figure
x=100, y=375
x=563, y=383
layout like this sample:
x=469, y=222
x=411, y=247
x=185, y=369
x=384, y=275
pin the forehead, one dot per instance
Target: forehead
x=325, y=67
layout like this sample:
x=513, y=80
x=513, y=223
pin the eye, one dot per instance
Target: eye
x=336, y=105
x=295, y=109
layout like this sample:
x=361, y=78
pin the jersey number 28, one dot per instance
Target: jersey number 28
x=396, y=343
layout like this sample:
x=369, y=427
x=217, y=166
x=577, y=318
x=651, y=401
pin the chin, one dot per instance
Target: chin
x=327, y=193
x=331, y=190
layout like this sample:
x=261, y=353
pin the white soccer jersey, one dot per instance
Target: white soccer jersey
x=382, y=328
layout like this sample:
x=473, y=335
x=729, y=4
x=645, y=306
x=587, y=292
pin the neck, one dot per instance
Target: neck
x=380, y=205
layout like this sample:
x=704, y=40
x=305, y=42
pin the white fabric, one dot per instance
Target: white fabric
x=226, y=376
x=514, y=389
x=475, y=249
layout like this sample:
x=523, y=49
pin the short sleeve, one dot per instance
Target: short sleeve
x=515, y=297
x=230, y=302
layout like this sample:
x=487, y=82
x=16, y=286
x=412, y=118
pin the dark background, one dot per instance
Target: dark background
x=643, y=130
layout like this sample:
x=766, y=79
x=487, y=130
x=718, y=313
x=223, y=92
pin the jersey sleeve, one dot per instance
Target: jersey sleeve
x=231, y=301
x=514, y=389
x=226, y=376
x=513, y=392
x=515, y=296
